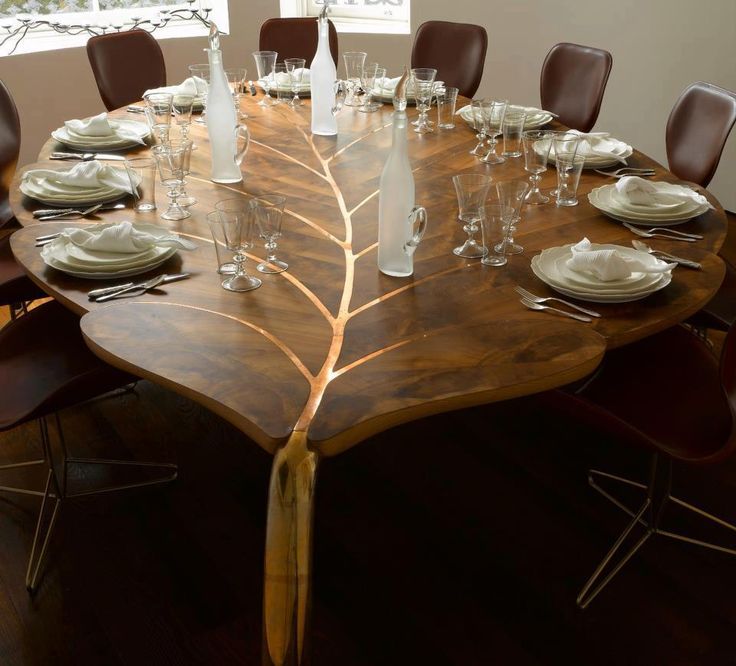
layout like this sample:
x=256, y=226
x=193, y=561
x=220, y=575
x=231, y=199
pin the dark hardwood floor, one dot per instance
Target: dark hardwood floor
x=458, y=540
x=462, y=539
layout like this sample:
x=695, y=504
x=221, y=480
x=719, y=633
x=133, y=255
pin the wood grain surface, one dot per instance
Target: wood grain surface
x=333, y=347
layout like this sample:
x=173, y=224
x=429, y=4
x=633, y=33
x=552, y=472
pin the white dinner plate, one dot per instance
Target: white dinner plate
x=620, y=152
x=600, y=198
x=109, y=275
x=113, y=142
x=538, y=118
x=83, y=199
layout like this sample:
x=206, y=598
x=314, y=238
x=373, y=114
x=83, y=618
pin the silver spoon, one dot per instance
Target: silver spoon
x=643, y=247
x=649, y=234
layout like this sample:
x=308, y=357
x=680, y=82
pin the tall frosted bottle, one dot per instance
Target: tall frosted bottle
x=222, y=120
x=322, y=79
x=401, y=224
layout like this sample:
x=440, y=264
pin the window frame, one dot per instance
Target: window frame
x=48, y=39
x=344, y=22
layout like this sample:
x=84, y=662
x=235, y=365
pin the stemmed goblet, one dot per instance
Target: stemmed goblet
x=472, y=190
x=536, y=144
x=265, y=64
x=237, y=222
x=480, y=124
x=368, y=81
x=495, y=224
x=269, y=211
x=181, y=106
x=201, y=76
x=494, y=111
x=158, y=113
x=511, y=195
x=423, y=80
x=236, y=80
x=295, y=67
x=172, y=161
x=354, y=61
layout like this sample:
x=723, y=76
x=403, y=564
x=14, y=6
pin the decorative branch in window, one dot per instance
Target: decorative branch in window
x=93, y=17
x=392, y=10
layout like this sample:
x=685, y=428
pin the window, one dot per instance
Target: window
x=383, y=16
x=170, y=18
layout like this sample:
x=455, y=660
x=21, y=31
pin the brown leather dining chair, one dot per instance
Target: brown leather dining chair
x=697, y=130
x=456, y=50
x=670, y=395
x=294, y=38
x=125, y=65
x=15, y=288
x=572, y=84
x=45, y=367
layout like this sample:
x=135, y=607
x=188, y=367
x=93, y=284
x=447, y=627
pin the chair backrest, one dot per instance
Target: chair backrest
x=9, y=150
x=456, y=50
x=572, y=83
x=697, y=129
x=294, y=38
x=125, y=65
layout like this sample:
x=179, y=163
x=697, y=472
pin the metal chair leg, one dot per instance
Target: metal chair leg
x=42, y=535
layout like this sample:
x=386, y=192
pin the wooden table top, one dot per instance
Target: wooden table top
x=332, y=347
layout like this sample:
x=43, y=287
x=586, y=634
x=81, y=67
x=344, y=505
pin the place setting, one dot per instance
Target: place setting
x=110, y=250
x=598, y=149
x=100, y=133
x=636, y=201
x=534, y=117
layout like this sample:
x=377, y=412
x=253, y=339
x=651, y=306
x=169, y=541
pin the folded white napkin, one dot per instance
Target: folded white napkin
x=386, y=84
x=121, y=238
x=94, y=126
x=186, y=87
x=92, y=175
x=642, y=192
x=600, y=144
x=306, y=74
x=609, y=264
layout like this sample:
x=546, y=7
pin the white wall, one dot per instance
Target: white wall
x=658, y=47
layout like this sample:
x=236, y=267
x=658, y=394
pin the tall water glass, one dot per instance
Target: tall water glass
x=265, y=63
x=495, y=225
x=158, y=112
x=480, y=124
x=269, y=210
x=142, y=174
x=513, y=126
x=423, y=81
x=225, y=263
x=368, y=77
x=446, y=103
x=172, y=161
x=295, y=67
x=495, y=112
x=182, y=106
x=472, y=190
x=536, y=145
x=511, y=193
x=569, y=168
x=237, y=224
x=201, y=76
x=564, y=144
x=282, y=81
x=354, y=61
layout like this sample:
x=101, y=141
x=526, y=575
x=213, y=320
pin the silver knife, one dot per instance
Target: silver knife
x=105, y=291
x=86, y=157
x=43, y=212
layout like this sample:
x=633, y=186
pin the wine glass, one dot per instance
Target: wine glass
x=565, y=144
x=182, y=106
x=495, y=224
x=183, y=198
x=265, y=64
x=536, y=145
x=172, y=160
x=494, y=111
x=480, y=124
x=423, y=79
x=158, y=113
x=237, y=225
x=269, y=211
x=368, y=80
x=236, y=80
x=354, y=61
x=201, y=77
x=295, y=67
x=472, y=190
x=511, y=194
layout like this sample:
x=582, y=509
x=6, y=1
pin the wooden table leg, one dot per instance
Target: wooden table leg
x=286, y=601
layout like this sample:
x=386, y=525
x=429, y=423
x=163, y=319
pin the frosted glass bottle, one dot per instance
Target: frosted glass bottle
x=401, y=224
x=322, y=80
x=222, y=120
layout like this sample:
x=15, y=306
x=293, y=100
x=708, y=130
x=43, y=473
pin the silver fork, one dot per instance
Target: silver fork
x=626, y=171
x=538, y=306
x=668, y=235
x=543, y=299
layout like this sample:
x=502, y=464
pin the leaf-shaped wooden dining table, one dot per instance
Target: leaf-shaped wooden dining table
x=332, y=351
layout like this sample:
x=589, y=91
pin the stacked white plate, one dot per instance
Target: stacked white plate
x=74, y=260
x=114, y=141
x=283, y=84
x=535, y=118
x=54, y=193
x=386, y=93
x=611, y=202
x=551, y=267
x=609, y=151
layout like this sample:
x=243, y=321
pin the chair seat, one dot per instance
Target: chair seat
x=15, y=286
x=662, y=393
x=46, y=366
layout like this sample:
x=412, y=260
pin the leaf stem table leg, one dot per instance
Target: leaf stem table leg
x=287, y=572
